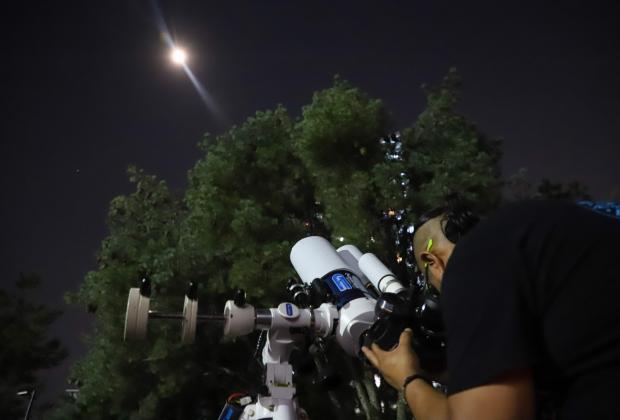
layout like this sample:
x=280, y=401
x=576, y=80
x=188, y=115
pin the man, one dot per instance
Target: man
x=531, y=303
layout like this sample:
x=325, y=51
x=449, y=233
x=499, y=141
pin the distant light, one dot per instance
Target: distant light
x=377, y=380
x=178, y=56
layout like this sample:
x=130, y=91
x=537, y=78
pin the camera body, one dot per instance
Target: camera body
x=421, y=312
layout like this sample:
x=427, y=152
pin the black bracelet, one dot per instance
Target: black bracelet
x=412, y=378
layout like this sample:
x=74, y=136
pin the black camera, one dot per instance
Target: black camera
x=421, y=312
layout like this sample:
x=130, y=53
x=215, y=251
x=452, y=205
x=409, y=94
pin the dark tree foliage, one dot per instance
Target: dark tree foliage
x=249, y=199
x=258, y=189
x=338, y=141
x=445, y=153
x=519, y=187
x=26, y=347
x=555, y=190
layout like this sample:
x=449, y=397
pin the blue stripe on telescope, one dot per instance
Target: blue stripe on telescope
x=342, y=288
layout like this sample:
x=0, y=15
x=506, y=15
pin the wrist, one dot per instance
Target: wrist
x=411, y=378
x=398, y=380
x=404, y=374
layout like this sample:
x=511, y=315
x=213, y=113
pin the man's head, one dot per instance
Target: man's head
x=435, y=237
x=432, y=250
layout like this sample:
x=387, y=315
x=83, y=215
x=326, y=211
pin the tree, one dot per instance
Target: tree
x=556, y=190
x=258, y=189
x=117, y=380
x=338, y=141
x=249, y=199
x=26, y=348
x=519, y=187
x=445, y=153
x=230, y=231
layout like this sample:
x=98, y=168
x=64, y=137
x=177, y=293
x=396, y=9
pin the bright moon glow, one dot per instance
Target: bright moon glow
x=178, y=56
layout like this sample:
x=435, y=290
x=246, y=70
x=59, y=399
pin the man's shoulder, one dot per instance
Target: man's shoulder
x=496, y=242
x=517, y=218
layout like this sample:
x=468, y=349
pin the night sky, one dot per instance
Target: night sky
x=87, y=88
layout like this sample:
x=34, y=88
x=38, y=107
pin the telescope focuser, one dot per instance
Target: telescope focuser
x=298, y=292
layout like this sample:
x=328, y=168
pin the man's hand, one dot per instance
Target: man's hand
x=397, y=364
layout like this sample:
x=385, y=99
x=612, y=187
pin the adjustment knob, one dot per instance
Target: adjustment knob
x=192, y=291
x=239, y=298
x=145, y=287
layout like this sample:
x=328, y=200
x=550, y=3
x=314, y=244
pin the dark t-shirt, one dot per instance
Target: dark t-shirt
x=537, y=285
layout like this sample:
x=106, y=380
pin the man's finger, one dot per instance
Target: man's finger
x=377, y=350
x=405, y=338
x=370, y=356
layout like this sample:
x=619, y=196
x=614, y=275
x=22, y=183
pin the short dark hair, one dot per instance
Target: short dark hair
x=458, y=215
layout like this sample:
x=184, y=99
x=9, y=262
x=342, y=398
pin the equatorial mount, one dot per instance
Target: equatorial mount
x=336, y=296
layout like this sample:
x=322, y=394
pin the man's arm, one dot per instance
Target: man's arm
x=509, y=397
x=425, y=402
x=396, y=365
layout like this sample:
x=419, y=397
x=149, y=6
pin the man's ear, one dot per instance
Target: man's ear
x=428, y=259
x=435, y=266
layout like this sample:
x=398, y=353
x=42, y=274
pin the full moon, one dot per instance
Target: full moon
x=178, y=56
